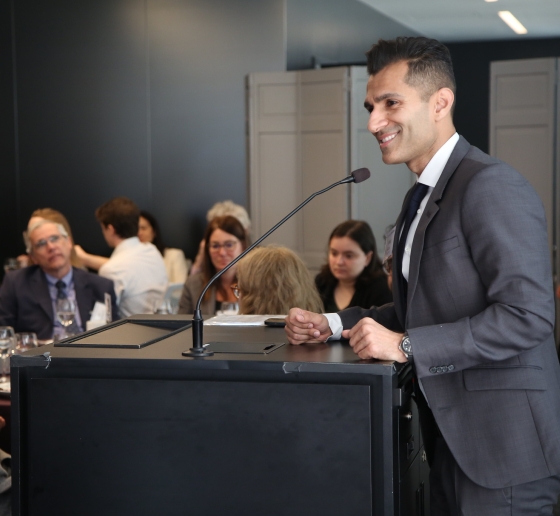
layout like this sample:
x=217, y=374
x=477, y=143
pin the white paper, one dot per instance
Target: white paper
x=239, y=320
x=99, y=312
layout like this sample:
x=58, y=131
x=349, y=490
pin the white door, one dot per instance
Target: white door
x=522, y=123
x=298, y=144
x=273, y=143
x=524, y=117
x=324, y=157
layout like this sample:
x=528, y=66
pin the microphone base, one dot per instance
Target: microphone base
x=197, y=352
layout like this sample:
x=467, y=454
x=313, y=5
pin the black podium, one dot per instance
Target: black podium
x=118, y=422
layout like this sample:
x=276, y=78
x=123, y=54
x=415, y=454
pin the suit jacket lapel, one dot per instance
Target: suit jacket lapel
x=40, y=289
x=459, y=152
x=83, y=295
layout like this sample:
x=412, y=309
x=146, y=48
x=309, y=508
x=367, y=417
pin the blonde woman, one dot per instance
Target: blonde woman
x=271, y=280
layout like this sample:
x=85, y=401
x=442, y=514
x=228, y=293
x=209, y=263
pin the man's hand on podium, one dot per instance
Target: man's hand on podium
x=303, y=326
x=371, y=340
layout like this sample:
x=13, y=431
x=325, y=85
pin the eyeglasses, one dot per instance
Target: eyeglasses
x=236, y=291
x=41, y=244
x=228, y=246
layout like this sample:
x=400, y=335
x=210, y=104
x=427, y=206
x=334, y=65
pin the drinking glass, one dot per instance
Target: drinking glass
x=228, y=308
x=7, y=343
x=25, y=342
x=65, y=313
x=11, y=264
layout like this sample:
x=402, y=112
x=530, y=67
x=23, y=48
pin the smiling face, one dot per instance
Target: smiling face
x=50, y=249
x=347, y=260
x=409, y=128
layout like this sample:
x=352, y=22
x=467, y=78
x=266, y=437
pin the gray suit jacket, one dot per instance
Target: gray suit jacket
x=191, y=292
x=480, y=319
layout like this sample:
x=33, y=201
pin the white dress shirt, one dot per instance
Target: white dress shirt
x=139, y=276
x=429, y=176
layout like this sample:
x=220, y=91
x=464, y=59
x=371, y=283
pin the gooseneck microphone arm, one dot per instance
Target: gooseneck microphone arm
x=197, y=322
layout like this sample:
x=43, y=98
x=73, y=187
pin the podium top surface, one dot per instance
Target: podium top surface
x=170, y=338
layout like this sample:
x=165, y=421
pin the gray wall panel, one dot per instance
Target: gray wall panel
x=199, y=57
x=8, y=204
x=81, y=92
x=335, y=32
x=132, y=97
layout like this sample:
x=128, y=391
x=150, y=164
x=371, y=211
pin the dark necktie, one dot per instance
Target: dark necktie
x=418, y=193
x=61, y=290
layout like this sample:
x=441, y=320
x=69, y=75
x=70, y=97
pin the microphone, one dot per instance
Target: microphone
x=198, y=350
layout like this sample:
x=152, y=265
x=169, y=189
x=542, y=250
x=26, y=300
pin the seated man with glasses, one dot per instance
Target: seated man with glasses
x=28, y=296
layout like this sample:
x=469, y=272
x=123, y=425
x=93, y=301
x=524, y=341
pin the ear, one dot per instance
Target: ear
x=369, y=256
x=444, y=99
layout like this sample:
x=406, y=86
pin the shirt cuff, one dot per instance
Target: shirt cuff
x=335, y=324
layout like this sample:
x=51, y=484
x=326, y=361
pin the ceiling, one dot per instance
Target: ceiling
x=472, y=20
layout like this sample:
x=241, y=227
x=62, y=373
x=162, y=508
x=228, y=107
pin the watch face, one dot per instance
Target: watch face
x=407, y=347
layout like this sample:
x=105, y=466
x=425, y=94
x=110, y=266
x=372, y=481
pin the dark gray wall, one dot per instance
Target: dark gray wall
x=146, y=99
x=8, y=196
x=471, y=62
x=330, y=32
x=131, y=97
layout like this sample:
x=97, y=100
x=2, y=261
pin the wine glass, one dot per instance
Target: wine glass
x=7, y=343
x=65, y=313
x=11, y=264
x=228, y=308
x=25, y=342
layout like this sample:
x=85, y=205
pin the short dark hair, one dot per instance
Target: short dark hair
x=359, y=231
x=122, y=214
x=429, y=62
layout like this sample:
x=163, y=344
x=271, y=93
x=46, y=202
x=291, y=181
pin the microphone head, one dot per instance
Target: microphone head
x=361, y=175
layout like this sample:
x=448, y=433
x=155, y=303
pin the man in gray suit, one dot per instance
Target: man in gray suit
x=474, y=306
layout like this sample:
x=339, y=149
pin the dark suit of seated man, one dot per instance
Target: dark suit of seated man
x=28, y=296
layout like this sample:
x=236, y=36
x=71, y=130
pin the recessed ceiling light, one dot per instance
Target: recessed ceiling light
x=490, y=0
x=513, y=23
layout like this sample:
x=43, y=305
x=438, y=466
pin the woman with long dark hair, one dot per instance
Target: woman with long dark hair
x=174, y=259
x=353, y=274
x=224, y=240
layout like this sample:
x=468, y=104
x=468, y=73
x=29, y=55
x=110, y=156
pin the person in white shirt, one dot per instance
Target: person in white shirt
x=137, y=269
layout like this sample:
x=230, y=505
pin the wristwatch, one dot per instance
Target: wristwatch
x=405, y=346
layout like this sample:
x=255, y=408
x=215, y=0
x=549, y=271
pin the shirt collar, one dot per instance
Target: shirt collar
x=67, y=279
x=127, y=243
x=431, y=174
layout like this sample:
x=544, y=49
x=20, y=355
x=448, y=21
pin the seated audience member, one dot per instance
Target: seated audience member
x=271, y=280
x=136, y=268
x=53, y=216
x=221, y=209
x=353, y=275
x=28, y=296
x=174, y=259
x=224, y=240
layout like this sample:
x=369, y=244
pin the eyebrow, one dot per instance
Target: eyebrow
x=381, y=98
